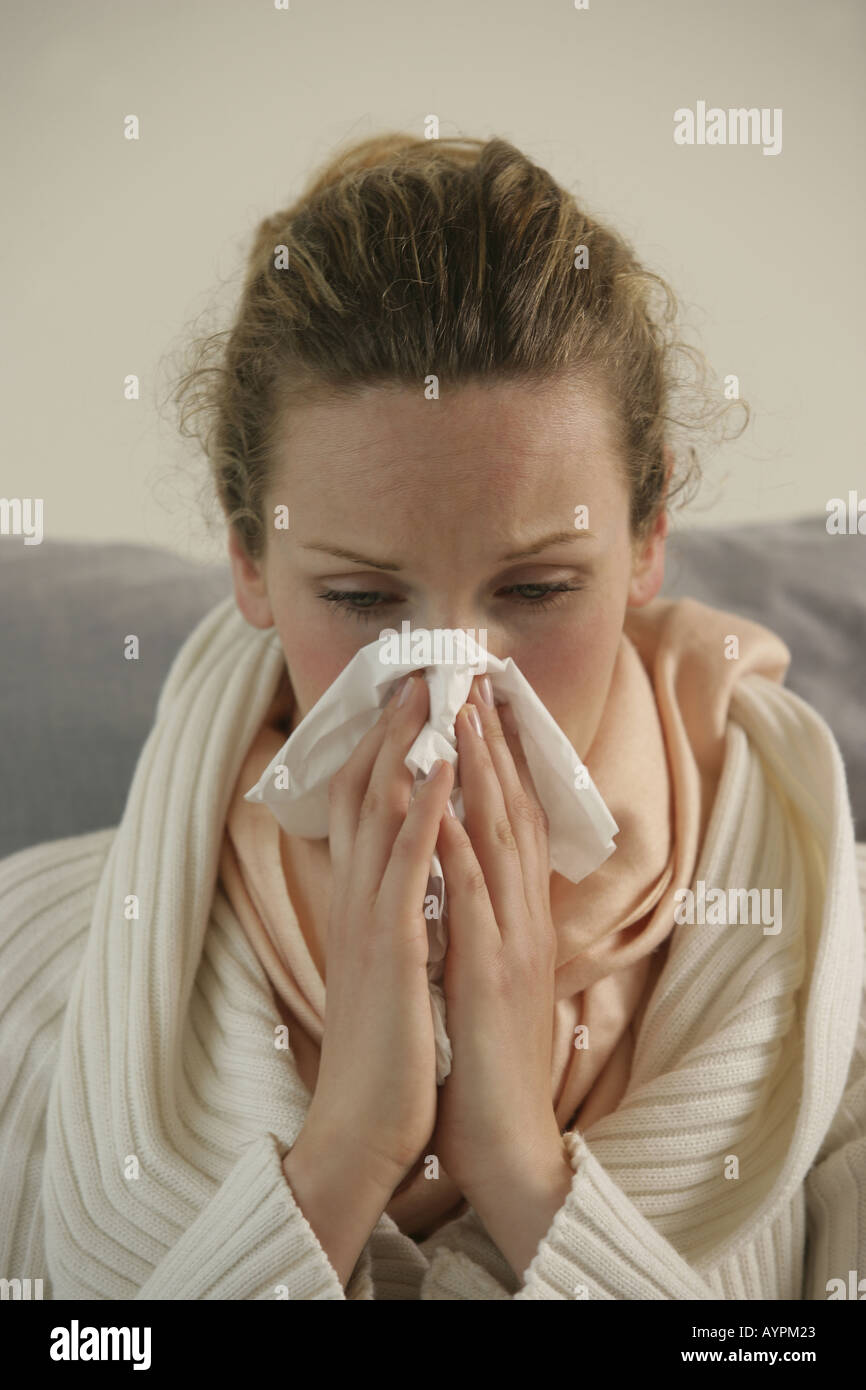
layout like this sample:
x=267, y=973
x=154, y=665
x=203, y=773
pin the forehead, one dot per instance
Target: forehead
x=388, y=432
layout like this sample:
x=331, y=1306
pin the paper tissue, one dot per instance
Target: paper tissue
x=294, y=785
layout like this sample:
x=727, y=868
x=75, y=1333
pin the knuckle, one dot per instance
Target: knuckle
x=537, y=947
x=494, y=732
x=504, y=833
x=535, y=965
x=474, y=882
x=544, y=952
x=530, y=811
x=404, y=847
x=496, y=973
x=506, y=979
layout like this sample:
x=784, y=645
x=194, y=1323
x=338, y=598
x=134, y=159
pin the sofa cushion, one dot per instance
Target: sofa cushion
x=74, y=712
x=807, y=586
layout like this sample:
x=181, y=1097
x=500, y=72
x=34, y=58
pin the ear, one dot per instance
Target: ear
x=251, y=593
x=648, y=562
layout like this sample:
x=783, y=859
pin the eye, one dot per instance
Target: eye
x=550, y=593
x=356, y=601
x=343, y=598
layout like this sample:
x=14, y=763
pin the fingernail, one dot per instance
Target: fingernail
x=486, y=690
x=431, y=772
x=405, y=691
x=475, y=717
x=450, y=809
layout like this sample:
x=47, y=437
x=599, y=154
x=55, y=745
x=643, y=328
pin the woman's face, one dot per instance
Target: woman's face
x=454, y=513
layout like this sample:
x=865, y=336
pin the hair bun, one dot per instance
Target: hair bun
x=393, y=148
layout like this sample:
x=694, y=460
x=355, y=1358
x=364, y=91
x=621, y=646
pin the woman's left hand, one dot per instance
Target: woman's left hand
x=495, y=1118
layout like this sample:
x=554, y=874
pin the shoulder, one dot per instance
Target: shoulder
x=800, y=752
x=45, y=877
x=46, y=903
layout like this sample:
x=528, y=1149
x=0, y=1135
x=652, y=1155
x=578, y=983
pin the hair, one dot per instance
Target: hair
x=407, y=257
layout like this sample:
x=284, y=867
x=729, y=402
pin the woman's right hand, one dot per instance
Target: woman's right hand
x=375, y=1092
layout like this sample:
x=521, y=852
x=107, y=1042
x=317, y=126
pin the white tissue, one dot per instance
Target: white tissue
x=294, y=785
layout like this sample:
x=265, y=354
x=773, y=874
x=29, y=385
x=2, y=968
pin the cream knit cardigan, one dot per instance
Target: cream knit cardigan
x=145, y=1107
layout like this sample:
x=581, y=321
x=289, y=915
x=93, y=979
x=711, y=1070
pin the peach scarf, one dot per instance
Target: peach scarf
x=656, y=759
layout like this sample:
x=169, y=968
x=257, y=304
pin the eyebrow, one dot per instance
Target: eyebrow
x=555, y=538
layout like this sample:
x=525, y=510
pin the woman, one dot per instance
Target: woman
x=446, y=399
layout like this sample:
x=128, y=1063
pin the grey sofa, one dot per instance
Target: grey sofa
x=74, y=713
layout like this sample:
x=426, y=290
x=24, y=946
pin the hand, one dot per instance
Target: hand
x=495, y=1119
x=376, y=1086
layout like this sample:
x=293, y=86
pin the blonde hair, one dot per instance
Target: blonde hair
x=407, y=257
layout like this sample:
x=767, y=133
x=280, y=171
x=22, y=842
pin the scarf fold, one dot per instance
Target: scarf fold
x=656, y=759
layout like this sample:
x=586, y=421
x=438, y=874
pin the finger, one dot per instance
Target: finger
x=356, y=790
x=539, y=815
x=387, y=799
x=487, y=820
x=473, y=931
x=525, y=813
x=346, y=788
x=408, y=868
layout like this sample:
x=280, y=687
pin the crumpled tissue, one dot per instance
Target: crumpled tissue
x=294, y=785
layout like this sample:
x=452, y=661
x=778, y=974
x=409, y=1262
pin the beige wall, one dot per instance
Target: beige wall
x=111, y=247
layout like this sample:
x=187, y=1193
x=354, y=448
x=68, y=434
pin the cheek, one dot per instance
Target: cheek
x=316, y=651
x=570, y=670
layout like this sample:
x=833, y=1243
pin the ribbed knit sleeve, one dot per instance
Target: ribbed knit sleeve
x=46, y=894
x=600, y=1246
x=836, y=1184
x=251, y=1241
x=599, y=1230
